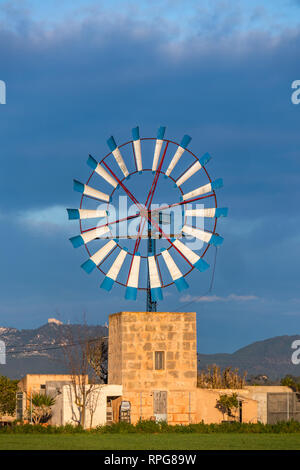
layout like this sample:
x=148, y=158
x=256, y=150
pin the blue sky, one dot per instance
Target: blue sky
x=221, y=71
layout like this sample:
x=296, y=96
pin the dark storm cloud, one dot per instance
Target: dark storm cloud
x=69, y=89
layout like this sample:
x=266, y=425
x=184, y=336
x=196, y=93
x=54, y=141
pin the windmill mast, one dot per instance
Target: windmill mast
x=151, y=306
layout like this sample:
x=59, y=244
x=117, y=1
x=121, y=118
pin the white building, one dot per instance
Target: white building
x=99, y=408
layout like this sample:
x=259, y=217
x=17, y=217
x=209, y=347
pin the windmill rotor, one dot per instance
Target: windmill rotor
x=114, y=234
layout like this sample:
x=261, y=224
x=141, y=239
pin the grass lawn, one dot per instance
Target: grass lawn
x=170, y=441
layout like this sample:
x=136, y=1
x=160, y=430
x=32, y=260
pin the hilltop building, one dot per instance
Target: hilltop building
x=55, y=321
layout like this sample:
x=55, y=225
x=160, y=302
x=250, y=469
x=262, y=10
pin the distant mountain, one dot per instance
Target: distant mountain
x=271, y=357
x=39, y=351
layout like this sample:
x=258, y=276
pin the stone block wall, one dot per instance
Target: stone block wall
x=133, y=339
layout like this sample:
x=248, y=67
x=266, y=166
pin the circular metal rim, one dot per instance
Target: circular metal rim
x=168, y=141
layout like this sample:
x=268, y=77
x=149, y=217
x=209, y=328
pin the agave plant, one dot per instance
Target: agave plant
x=41, y=407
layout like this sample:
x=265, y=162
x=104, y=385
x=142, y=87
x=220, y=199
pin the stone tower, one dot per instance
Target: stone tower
x=154, y=357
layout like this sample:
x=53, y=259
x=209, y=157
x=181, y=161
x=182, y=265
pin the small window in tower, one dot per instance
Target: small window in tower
x=159, y=360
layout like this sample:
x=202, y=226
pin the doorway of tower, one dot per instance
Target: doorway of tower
x=160, y=405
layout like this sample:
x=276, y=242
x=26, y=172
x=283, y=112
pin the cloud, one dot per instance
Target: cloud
x=212, y=75
x=180, y=20
x=45, y=220
x=215, y=298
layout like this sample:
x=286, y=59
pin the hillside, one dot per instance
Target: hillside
x=271, y=357
x=38, y=351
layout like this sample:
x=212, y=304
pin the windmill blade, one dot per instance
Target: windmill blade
x=137, y=148
x=206, y=237
x=181, y=148
x=155, y=284
x=99, y=256
x=158, y=145
x=117, y=154
x=101, y=171
x=174, y=271
x=207, y=188
x=193, y=169
x=86, y=214
x=91, y=192
x=114, y=270
x=88, y=236
x=133, y=280
x=193, y=258
x=208, y=212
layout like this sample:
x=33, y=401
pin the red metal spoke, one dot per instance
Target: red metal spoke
x=136, y=202
x=150, y=197
x=181, y=203
x=147, y=204
x=155, y=179
x=168, y=239
x=146, y=214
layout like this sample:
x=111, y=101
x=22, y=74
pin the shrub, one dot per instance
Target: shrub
x=227, y=404
x=151, y=427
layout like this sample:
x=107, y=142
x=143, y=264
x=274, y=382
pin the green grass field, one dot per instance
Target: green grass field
x=170, y=441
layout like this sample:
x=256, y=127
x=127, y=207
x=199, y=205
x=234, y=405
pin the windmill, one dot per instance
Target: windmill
x=114, y=237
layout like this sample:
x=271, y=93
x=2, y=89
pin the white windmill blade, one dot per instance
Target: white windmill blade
x=207, y=188
x=174, y=271
x=155, y=283
x=117, y=154
x=114, y=270
x=89, y=191
x=137, y=148
x=101, y=171
x=181, y=148
x=88, y=236
x=133, y=280
x=99, y=256
x=207, y=212
x=193, y=169
x=86, y=214
x=206, y=237
x=158, y=145
x=192, y=257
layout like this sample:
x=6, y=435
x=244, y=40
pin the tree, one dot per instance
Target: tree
x=227, y=404
x=41, y=407
x=97, y=357
x=8, y=390
x=214, y=378
x=292, y=382
x=83, y=357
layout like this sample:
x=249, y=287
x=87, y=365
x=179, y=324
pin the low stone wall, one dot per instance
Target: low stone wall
x=206, y=400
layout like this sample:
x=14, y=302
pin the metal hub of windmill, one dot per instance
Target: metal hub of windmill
x=123, y=243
